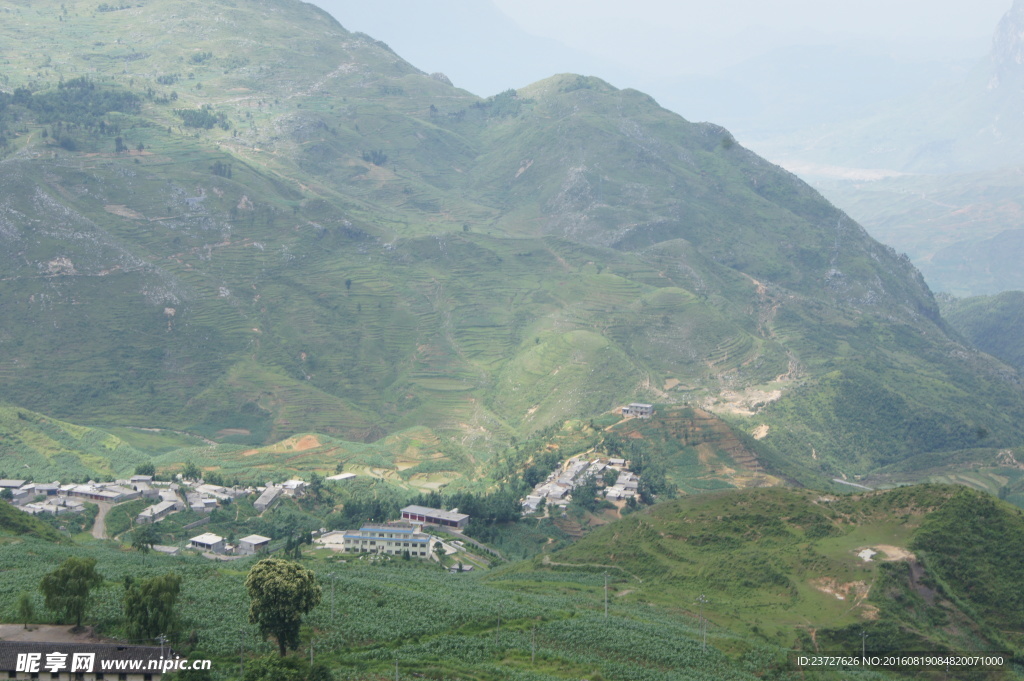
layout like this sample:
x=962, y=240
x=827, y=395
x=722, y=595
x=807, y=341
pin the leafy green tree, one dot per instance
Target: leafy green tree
x=280, y=593
x=145, y=469
x=144, y=539
x=316, y=486
x=66, y=589
x=6, y=494
x=191, y=471
x=26, y=609
x=149, y=607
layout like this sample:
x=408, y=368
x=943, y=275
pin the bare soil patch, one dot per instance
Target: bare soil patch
x=124, y=211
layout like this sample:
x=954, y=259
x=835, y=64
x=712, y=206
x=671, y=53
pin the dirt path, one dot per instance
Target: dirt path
x=99, y=526
x=548, y=561
x=55, y=633
x=469, y=540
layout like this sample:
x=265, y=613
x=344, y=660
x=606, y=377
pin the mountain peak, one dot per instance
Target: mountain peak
x=1008, y=45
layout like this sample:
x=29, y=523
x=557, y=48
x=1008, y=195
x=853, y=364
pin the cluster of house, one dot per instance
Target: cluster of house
x=557, y=488
x=398, y=537
x=209, y=542
x=57, y=498
x=168, y=497
x=625, y=486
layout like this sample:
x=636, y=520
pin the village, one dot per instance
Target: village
x=398, y=538
x=556, y=490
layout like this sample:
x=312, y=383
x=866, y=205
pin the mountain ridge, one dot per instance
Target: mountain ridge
x=326, y=239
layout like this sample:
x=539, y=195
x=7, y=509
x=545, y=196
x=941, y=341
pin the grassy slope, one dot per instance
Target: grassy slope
x=432, y=622
x=328, y=283
x=776, y=562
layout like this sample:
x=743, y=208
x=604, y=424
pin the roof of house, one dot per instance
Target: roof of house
x=435, y=513
x=157, y=508
x=207, y=538
x=254, y=539
x=269, y=494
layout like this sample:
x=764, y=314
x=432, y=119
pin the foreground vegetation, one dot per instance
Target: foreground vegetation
x=772, y=565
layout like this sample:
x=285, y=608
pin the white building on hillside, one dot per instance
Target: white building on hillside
x=390, y=538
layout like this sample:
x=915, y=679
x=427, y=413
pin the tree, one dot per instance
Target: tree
x=145, y=469
x=144, y=539
x=191, y=471
x=149, y=607
x=280, y=593
x=26, y=610
x=6, y=494
x=67, y=588
x=439, y=552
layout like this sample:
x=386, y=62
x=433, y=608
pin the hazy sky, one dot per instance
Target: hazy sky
x=701, y=59
x=698, y=36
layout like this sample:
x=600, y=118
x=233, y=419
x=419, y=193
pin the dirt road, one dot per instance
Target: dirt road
x=99, y=526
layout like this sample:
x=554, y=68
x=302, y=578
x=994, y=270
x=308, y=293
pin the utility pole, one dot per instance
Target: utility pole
x=533, y=645
x=311, y=651
x=702, y=599
x=396, y=669
x=606, y=595
x=241, y=652
x=863, y=643
x=331, y=576
x=162, y=639
x=497, y=632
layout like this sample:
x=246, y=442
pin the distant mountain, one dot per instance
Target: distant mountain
x=935, y=175
x=246, y=222
x=965, y=125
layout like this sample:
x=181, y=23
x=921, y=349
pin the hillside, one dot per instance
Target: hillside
x=246, y=224
x=790, y=566
x=782, y=570
x=991, y=323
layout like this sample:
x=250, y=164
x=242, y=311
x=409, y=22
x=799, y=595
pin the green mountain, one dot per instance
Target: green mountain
x=247, y=223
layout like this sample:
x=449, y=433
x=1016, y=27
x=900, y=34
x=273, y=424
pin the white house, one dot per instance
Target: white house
x=208, y=542
x=254, y=543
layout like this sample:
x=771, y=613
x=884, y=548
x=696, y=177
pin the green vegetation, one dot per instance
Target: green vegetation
x=280, y=594
x=773, y=564
x=281, y=248
x=150, y=607
x=990, y=323
x=67, y=588
x=121, y=518
x=14, y=522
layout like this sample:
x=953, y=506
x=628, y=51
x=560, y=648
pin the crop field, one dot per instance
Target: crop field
x=429, y=621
